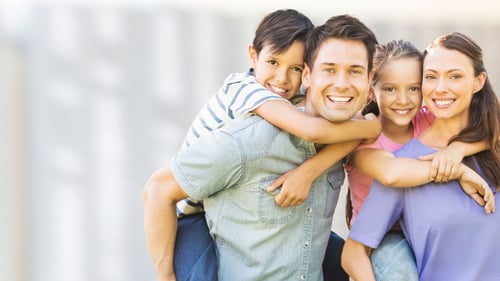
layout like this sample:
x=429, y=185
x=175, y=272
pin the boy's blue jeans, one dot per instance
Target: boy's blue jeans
x=393, y=260
x=195, y=258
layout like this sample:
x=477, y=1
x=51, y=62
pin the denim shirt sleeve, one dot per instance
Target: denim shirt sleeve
x=208, y=166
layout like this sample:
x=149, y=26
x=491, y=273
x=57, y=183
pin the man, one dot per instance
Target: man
x=232, y=168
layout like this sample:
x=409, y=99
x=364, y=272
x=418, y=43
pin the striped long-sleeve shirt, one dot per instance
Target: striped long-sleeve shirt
x=237, y=98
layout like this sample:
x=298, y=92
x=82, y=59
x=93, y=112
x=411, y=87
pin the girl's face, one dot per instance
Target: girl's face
x=398, y=91
x=449, y=83
x=279, y=73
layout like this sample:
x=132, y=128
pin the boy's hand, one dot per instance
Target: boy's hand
x=371, y=117
x=444, y=164
x=477, y=188
x=294, y=188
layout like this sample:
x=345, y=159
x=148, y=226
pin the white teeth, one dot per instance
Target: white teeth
x=340, y=99
x=402, y=111
x=443, y=102
x=277, y=89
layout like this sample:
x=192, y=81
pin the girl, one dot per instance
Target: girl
x=437, y=218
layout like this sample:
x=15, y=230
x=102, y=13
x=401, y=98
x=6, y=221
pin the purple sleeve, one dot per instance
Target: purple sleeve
x=379, y=212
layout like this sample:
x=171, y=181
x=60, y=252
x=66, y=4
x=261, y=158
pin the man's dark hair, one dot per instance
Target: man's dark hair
x=340, y=27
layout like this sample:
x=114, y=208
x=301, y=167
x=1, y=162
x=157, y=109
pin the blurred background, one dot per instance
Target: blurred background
x=95, y=95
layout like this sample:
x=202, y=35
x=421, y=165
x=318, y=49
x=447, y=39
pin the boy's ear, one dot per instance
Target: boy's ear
x=252, y=56
x=305, y=76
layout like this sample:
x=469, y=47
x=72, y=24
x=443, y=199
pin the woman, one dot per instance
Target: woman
x=438, y=219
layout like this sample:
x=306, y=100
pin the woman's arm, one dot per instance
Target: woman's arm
x=287, y=117
x=356, y=261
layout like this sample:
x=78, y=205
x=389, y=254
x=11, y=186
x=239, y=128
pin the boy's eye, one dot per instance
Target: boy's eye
x=415, y=89
x=297, y=69
x=429, y=77
x=272, y=62
x=456, y=76
x=356, y=71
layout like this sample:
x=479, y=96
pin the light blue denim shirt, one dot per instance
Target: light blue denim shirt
x=255, y=238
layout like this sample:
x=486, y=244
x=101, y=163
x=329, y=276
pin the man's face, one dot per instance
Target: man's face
x=337, y=85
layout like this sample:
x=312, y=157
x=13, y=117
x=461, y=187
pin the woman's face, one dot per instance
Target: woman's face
x=398, y=91
x=448, y=83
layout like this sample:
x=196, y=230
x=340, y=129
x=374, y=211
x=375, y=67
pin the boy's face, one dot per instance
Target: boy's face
x=338, y=84
x=280, y=73
x=398, y=91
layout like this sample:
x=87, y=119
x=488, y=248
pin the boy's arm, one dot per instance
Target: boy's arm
x=296, y=183
x=356, y=261
x=446, y=161
x=287, y=117
x=160, y=195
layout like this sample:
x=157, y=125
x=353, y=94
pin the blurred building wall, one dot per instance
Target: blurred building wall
x=102, y=96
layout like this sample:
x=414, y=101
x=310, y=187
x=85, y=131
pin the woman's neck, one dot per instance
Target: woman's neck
x=441, y=131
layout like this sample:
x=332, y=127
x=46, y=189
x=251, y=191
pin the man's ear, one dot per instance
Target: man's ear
x=252, y=56
x=479, y=83
x=370, y=77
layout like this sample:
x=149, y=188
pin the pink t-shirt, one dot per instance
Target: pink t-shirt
x=359, y=184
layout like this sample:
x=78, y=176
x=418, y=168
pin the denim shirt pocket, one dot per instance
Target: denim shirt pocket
x=270, y=212
x=335, y=179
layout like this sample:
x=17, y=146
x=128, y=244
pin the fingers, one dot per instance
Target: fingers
x=479, y=200
x=284, y=199
x=489, y=197
x=276, y=184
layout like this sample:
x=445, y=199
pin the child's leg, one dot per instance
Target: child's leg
x=195, y=258
x=332, y=270
x=393, y=260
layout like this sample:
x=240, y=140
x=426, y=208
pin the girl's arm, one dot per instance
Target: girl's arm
x=356, y=261
x=296, y=183
x=286, y=116
x=445, y=162
x=402, y=172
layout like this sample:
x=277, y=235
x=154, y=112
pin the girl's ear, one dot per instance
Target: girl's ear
x=479, y=83
x=371, y=94
x=252, y=56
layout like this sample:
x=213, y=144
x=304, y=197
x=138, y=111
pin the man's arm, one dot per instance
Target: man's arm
x=356, y=261
x=160, y=195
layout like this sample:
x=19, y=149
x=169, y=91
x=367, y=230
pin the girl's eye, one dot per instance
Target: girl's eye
x=456, y=76
x=389, y=89
x=415, y=89
x=429, y=77
x=297, y=69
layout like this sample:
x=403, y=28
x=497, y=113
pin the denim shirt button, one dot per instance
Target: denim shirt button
x=306, y=243
x=309, y=210
x=302, y=277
